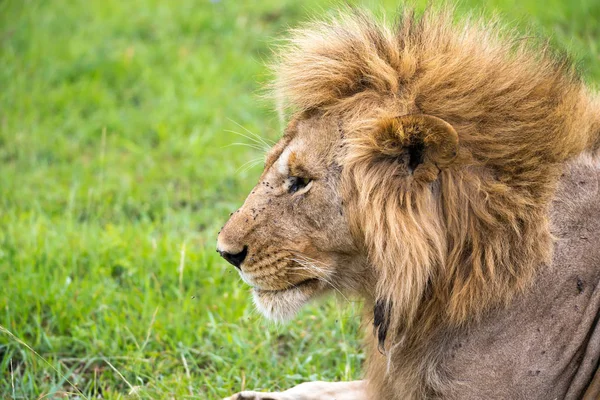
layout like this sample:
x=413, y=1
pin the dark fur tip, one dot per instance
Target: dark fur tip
x=381, y=323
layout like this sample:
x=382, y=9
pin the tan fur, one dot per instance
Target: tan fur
x=467, y=230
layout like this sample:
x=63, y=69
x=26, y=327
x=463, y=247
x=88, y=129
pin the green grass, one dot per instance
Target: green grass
x=116, y=174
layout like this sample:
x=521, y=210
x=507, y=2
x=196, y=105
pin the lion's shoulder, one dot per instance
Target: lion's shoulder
x=549, y=334
x=576, y=206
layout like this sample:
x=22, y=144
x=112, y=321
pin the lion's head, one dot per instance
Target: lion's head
x=291, y=240
x=416, y=170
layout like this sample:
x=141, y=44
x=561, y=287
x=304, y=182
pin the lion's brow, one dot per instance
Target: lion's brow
x=274, y=154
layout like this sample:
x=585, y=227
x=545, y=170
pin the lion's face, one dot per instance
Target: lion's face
x=290, y=240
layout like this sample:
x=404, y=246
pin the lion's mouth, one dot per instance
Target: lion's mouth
x=310, y=282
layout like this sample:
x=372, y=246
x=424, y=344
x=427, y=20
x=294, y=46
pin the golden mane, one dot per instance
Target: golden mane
x=449, y=248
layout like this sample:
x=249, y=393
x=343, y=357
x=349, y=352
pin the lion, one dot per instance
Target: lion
x=447, y=174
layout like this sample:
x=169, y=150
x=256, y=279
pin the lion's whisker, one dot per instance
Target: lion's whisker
x=257, y=137
x=324, y=271
x=253, y=138
x=305, y=256
x=250, y=163
x=311, y=262
x=248, y=168
x=309, y=267
x=262, y=144
x=250, y=145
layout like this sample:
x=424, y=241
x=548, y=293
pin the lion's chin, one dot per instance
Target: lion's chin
x=283, y=305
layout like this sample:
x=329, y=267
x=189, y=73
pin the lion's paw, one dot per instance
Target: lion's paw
x=250, y=395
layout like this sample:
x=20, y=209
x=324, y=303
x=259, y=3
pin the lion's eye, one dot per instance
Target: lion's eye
x=298, y=183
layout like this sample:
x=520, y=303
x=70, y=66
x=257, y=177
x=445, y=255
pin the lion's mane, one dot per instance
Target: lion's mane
x=445, y=250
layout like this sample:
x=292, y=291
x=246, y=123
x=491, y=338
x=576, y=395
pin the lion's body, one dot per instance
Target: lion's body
x=546, y=343
x=421, y=172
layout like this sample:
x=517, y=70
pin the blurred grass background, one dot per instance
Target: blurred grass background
x=116, y=173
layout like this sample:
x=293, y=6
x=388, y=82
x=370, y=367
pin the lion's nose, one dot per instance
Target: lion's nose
x=234, y=259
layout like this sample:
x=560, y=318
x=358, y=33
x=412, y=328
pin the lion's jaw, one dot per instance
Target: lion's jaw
x=291, y=233
x=283, y=305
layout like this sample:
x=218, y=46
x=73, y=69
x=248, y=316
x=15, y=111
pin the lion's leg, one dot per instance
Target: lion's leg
x=354, y=390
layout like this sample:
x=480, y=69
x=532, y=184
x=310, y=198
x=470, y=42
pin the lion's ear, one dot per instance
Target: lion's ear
x=426, y=144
